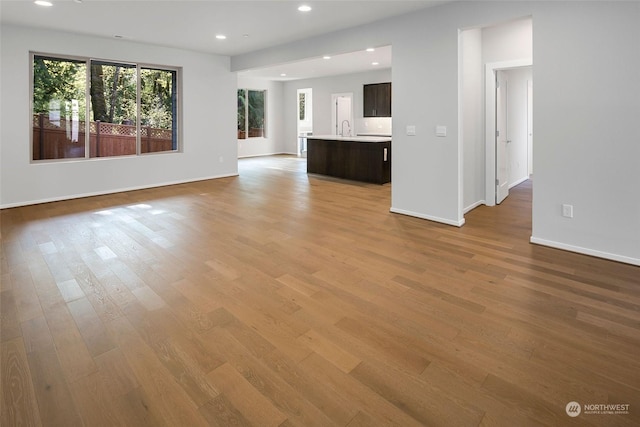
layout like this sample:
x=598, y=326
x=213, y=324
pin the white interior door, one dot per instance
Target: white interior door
x=502, y=141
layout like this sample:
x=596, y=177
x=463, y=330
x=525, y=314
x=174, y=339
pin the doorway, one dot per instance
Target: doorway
x=304, y=119
x=509, y=135
x=342, y=114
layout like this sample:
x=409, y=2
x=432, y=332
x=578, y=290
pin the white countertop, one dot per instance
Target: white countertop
x=374, y=134
x=351, y=138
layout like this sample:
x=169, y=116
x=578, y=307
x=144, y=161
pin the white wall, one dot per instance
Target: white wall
x=473, y=118
x=586, y=107
x=507, y=41
x=273, y=142
x=323, y=88
x=208, y=112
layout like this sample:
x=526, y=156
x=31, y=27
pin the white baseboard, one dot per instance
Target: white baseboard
x=473, y=206
x=248, y=156
x=585, y=251
x=428, y=217
x=518, y=182
x=112, y=191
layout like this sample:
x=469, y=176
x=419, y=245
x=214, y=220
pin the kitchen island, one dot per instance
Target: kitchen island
x=358, y=158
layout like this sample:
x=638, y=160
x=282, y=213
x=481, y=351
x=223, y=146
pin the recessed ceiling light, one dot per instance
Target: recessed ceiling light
x=283, y=74
x=370, y=49
x=43, y=3
x=221, y=36
x=245, y=36
x=304, y=8
x=375, y=63
x=326, y=57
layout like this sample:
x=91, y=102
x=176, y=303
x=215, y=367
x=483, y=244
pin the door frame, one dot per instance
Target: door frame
x=490, y=122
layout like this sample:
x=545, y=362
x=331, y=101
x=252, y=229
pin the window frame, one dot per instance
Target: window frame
x=88, y=60
x=177, y=114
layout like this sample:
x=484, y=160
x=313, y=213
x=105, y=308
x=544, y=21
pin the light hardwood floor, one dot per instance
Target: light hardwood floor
x=280, y=299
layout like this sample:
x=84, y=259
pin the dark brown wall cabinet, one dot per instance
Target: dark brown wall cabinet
x=377, y=100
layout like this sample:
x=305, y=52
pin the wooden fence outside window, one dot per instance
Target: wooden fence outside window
x=60, y=139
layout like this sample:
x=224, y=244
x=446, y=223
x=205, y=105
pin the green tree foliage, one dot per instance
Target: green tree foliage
x=98, y=101
x=256, y=109
x=242, y=109
x=157, y=98
x=58, y=80
x=251, y=102
x=112, y=90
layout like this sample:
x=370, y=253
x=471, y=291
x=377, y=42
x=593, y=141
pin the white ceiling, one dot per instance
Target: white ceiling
x=193, y=25
x=345, y=63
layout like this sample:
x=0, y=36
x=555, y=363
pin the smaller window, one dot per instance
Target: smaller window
x=251, y=113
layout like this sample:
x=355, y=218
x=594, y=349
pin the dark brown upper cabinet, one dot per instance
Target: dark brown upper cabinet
x=377, y=100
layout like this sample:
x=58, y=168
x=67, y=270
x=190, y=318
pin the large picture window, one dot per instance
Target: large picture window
x=86, y=108
x=251, y=113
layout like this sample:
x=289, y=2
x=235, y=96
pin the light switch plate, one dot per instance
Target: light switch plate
x=411, y=130
x=441, y=130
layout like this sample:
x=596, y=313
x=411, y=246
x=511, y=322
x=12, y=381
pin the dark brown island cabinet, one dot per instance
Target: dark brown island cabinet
x=377, y=100
x=366, y=159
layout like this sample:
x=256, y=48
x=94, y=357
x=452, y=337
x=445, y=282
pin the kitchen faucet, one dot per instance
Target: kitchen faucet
x=342, y=128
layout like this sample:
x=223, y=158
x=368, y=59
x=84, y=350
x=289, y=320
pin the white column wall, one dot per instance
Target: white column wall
x=473, y=119
x=586, y=108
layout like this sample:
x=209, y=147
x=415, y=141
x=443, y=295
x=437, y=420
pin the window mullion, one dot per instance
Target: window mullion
x=87, y=111
x=138, y=110
x=246, y=112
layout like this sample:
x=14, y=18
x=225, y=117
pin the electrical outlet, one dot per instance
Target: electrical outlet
x=567, y=211
x=221, y=159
